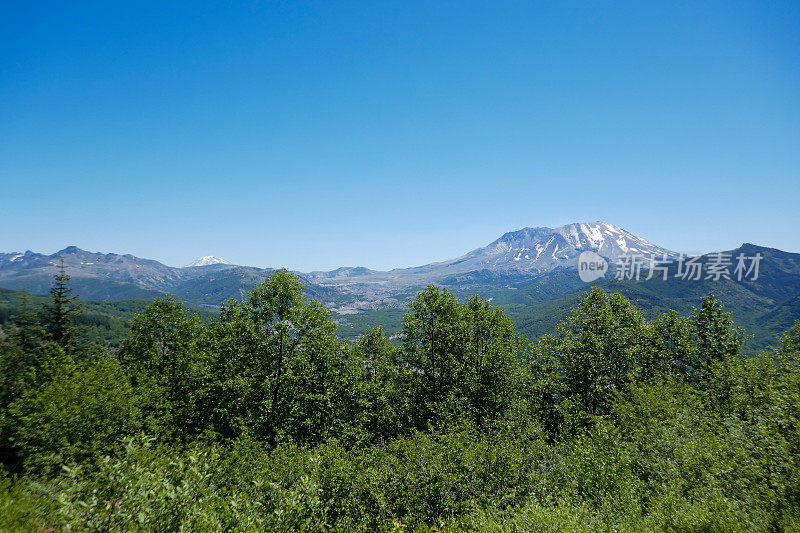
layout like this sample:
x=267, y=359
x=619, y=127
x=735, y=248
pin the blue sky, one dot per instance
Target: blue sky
x=316, y=135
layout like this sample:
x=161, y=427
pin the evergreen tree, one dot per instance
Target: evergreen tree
x=59, y=316
x=27, y=333
x=20, y=352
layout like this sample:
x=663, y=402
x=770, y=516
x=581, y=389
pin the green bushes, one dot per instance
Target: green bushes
x=657, y=463
x=424, y=479
x=78, y=409
x=263, y=420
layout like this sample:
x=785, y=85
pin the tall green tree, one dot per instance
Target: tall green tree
x=463, y=359
x=384, y=393
x=283, y=372
x=597, y=349
x=164, y=355
x=59, y=315
x=433, y=345
x=670, y=348
x=492, y=373
x=20, y=350
x=27, y=332
x=716, y=337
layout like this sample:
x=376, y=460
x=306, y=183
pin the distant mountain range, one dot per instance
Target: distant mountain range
x=530, y=272
x=110, y=277
x=765, y=307
x=210, y=280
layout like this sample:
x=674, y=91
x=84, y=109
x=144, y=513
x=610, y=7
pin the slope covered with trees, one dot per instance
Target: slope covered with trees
x=262, y=418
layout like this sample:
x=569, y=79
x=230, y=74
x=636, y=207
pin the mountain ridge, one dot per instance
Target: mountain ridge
x=361, y=298
x=513, y=260
x=551, y=247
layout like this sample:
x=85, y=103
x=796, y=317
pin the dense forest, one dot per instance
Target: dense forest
x=263, y=419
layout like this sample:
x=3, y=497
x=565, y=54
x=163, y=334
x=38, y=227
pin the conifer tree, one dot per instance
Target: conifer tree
x=27, y=333
x=20, y=352
x=59, y=316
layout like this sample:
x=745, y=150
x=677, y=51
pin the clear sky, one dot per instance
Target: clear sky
x=391, y=134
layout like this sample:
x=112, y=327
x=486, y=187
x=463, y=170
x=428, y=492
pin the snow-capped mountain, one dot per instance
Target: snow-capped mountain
x=543, y=249
x=208, y=260
x=525, y=252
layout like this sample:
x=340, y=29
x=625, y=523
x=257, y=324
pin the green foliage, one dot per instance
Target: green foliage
x=717, y=338
x=384, y=393
x=26, y=334
x=265, y=420
x=463, y=360
x=102, y=323
x=607, y=344
x=671, y=348
x=425, y=479
x=789, y=347
x=163, y=356
x=301, y=359
x=75, y=410
x=597, y=350
x=60, y=315
x=280, y=370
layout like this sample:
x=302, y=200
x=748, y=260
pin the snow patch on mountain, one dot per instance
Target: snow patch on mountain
x=554, y=247
x=208, y=260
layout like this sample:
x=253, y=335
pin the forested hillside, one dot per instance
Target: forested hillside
x=262, y=418
x=765, y=306
x=103, y=323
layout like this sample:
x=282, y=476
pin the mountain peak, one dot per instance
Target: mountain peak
x=208, y=260
x=542, y=249
x=69, y=250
